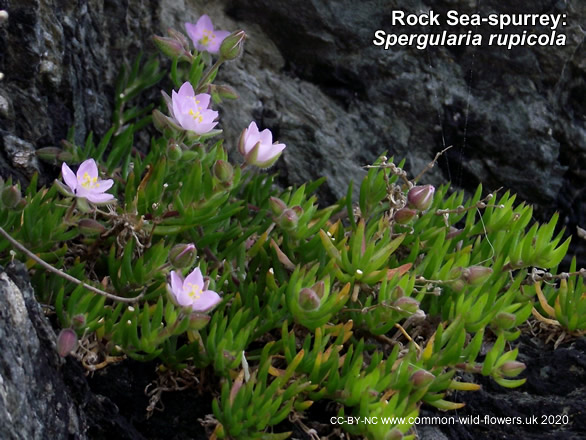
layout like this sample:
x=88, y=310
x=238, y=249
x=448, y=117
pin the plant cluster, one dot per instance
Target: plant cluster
x=177, y=254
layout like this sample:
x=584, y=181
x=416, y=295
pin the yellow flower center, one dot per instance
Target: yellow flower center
x=196, y=116
x=207, y=37
x=194, y=291
x=89, y=182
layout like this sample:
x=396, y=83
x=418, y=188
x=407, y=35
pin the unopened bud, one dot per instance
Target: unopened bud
x=394, y=434
x=90, y=227
x=422, y=378
x=476, y=274
x=277, y=206
x=308, y=299
x=288, y=219
x=231, y=47
x=78, y=321
x=169, y=46
x=505, y=320
x=159, y=120
x=65, y=156
x=223, y=171
x=197, y=321
x=11, y=197
x=182, y=255
x=404, y=215
x=221, y=92
x=182, y=39
x=3, y=16
x=48, y=154
x=319, y=288
x=421, y=197
x=66, y=341
x=174, y=151
x=63, y=189
x=512, y=368
x=407, y=304
x=454, y=232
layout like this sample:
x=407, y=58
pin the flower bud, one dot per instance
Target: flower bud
x=308, y=299
x=505, y=320
x=11, y=197
x=407, y=304
x=454, y=232
x=420, y=197
x=422, y=378
x=65, y=156
x=231, y=47
x=512, y=368
x=223, y=171
x=174, y=151
x=78, y=321
x=182, y=255
x=90, y=227
x=66, y=341
x=197, y=321
x=476, y=274
x=182, y=39
x=3, y=16
x=394, y=434
x=277, y=205
x=169, y=46
x=221, y=92
x=404, y=215
x=319, y=288
x=63, y=189
x=288, y=219
x=48, y=154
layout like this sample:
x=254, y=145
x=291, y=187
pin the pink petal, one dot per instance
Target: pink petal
x=204, y=100
x=203, y=128
x=267, y=152
x=266, y=137
x=176, y=283
x=206, y=301
x=97, y=197
x=204, y=23
x=208, y=116
x=104, y=185
x=68, y=177
x=89, y=166
x=183, y=299
x=186, y=90
x=221, y=36
x=191, y=31
x=194, y=278
x=251, y=137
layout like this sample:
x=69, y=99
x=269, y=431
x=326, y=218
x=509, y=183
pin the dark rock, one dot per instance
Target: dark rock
x=35, y=399
x=550, y=405
x=311, y=74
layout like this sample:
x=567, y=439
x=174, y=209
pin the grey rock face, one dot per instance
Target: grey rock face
x=35, y=403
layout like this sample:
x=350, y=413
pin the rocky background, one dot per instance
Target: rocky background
x=516, y=118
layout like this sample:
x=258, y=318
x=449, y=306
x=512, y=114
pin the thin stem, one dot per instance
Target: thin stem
x=64, y=275
x=208, y=74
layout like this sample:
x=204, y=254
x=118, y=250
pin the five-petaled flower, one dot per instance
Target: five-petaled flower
x=258, y=148
x=86, y=183
x=190, y=292
x=203, y=35
x=191, y=110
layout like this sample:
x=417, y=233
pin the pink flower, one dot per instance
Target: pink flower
x=258, y=148
x=203, y=35
x=191, y=110
x=190, y=292
x=86, y=183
